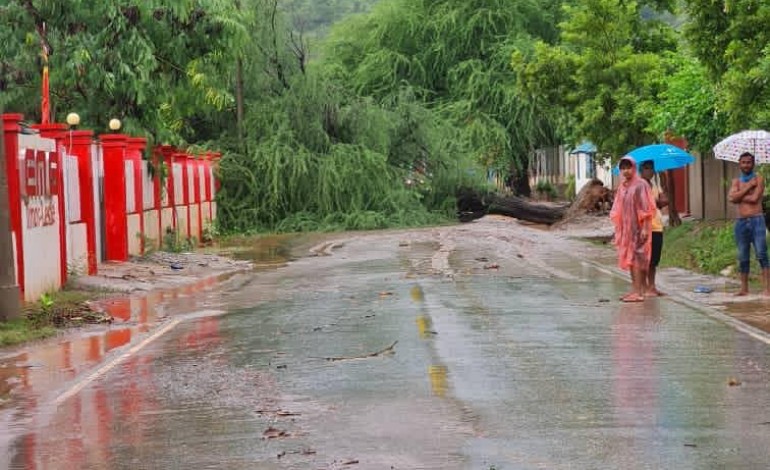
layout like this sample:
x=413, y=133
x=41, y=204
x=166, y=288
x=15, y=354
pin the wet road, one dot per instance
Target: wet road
x=505, y=354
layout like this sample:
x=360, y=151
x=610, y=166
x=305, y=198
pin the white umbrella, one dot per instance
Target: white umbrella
x=756, y=142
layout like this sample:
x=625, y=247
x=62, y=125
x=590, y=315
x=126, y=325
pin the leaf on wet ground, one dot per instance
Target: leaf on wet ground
x=492, y=266
x=386, y=293
x=274, y=433
x=734, y=382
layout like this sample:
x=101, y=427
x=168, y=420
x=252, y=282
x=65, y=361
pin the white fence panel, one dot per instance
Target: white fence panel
x=148, y=187
x=130, y=188
x=72, y=188
x=213, y=185
x=178, y=188
x=202, y=181
x=191, y=181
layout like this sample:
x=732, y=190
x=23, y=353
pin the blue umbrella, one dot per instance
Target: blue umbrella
x=664, y=157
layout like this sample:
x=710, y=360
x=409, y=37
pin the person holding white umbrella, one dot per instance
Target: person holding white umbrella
x=746, y=193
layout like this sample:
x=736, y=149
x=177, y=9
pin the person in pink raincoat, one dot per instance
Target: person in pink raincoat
x=631, y=214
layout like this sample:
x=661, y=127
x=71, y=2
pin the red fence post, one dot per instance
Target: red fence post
x=11, y=129
x=79, y=144
x=57, y=132
x=116, y=223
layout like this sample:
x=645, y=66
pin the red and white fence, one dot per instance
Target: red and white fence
x=77, y=200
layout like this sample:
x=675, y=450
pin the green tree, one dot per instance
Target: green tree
x=455, y=55
x=605, y=76
x=153, y=65
x=732, y=39
x=688, y=107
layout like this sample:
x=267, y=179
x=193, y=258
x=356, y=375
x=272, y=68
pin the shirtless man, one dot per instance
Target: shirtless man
x=747, y=191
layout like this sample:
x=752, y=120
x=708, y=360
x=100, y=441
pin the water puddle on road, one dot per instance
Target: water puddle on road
x=38, y=371
x=270, y=251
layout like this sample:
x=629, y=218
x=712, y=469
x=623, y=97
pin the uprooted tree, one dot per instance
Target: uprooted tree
x=594, y=198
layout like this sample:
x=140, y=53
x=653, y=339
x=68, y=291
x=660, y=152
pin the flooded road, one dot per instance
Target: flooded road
x=455, y=348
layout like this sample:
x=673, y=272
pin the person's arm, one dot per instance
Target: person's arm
x=736, y=194
x=662, y=200
x=755, y=196
x=646, y=207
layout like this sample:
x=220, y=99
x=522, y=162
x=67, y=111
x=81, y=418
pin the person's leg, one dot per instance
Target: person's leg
x=631, y=292
x=743, y=239
x=760, y=248
x=657, y=248
x=638, y=274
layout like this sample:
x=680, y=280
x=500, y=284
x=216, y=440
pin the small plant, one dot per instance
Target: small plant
x=210, y=233
x=46, y=302
x=173, y=243
x=43, y=314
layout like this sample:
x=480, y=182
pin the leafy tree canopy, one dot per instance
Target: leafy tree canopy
x=150, y=63
x=732, y=39
x=604, y=77
x=455, y=55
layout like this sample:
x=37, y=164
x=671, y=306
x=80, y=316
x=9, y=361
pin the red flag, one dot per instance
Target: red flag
x=45, y=116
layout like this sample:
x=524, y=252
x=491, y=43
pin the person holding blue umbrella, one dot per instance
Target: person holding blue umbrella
x=656, y=228
x=663, y=156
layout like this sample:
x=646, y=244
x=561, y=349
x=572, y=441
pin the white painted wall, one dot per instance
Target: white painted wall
x=41, y=247
x=194, y=225
x=205, y=207
x=167, y=220
x=134, y=239
x=77, y=249
x=602, y=171
x=181, y=222
x=178, y=182
x=151, y=228
x=97, y=164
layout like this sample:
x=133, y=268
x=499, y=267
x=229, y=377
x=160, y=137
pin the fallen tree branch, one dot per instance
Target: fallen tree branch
x=388, y=350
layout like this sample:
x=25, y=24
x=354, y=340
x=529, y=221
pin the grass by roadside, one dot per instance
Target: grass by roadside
x=704, y=247
x=41, y=319
x=22, y=330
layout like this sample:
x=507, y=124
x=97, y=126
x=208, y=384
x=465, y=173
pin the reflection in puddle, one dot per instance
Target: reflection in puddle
x=424, y=326
x=436, y=373
x=43, y=369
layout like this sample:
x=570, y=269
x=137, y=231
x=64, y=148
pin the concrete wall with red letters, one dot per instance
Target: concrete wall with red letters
x=78, y=200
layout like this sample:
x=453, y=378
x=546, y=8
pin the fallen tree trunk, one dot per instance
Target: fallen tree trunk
x=593, y=198
x=471, y=206
x=514, y=206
